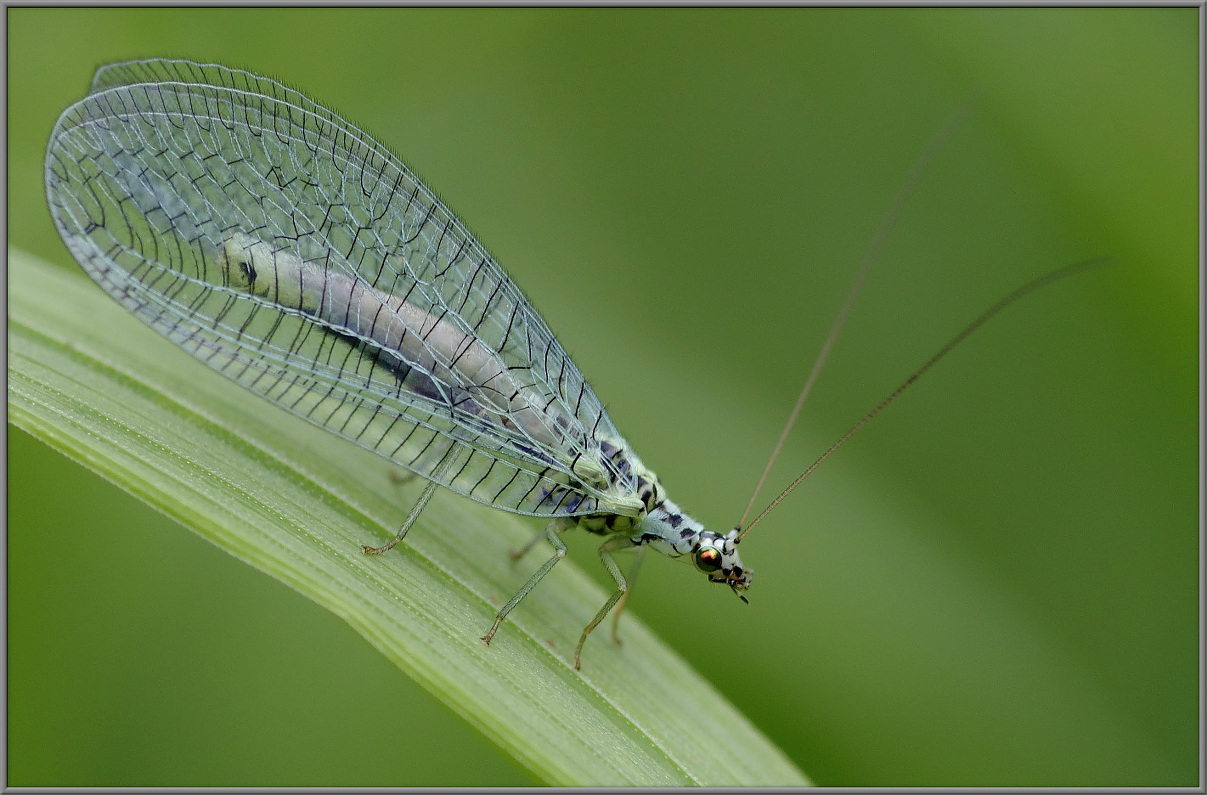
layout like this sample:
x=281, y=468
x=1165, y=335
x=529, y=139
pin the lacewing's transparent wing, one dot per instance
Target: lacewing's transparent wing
x=289, y=250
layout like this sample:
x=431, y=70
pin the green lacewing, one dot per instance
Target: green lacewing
x=289, y=250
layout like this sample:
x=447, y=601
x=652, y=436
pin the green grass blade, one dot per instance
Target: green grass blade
x=90, y=380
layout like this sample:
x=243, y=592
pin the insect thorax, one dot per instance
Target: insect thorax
x=658, y=522
x=606, y=524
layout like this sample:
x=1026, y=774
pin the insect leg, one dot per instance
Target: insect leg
x=624, y=600
x=550, y=533
x=526, y=548
x=400, y=478
x=420, y=504
x=622, y=587
x=417, y=509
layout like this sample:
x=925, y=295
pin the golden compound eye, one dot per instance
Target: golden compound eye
x=708, y=560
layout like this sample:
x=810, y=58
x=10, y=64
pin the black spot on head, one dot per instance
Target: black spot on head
x=674, y=520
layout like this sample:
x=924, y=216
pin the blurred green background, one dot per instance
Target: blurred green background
x=995, y=584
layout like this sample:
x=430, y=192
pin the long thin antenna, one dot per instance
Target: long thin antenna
x=886, y=225
x=985, y=316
